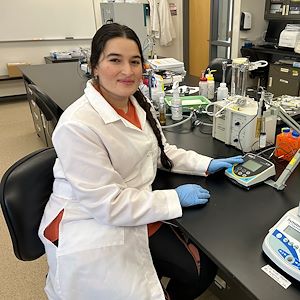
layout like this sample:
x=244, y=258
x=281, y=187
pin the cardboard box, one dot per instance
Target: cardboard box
x=13, y=69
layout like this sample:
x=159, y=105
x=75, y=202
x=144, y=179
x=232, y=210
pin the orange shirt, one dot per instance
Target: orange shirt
x=52, y=231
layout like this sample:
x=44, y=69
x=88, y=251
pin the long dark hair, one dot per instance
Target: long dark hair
x=102, y=36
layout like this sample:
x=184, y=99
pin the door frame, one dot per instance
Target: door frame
x=213, y=34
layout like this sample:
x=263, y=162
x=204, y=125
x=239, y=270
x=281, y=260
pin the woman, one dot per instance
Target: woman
x=109, y=145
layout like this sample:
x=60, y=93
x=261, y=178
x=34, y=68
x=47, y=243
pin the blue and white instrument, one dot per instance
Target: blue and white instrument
x=253, y=170
x=282, y=243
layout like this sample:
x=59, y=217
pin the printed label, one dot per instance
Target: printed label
x=284, y=70
x=284, y=81
x=276, y=276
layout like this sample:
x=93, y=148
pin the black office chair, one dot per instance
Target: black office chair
x=24, y=192
x=50, y=111
x=216, y=64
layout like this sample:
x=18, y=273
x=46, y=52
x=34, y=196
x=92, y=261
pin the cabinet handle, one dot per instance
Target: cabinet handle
x=43, y=120
x=287, y=9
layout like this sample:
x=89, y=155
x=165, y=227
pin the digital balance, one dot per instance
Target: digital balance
x=253, y=170
x=282, y=243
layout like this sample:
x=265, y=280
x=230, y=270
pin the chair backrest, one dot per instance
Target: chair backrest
x=24, y=192
x=50, y=110
x=216, y=64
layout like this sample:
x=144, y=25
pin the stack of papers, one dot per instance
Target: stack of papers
x=170, y=64
x=170, y=69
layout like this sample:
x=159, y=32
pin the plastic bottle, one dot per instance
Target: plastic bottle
x=203, y=85
x=294, y=143
x=210, y=85
x=162, y=109
x=176, y=105
x=283, y=147
x=262, y=140
x=222, y=91
x=157, y=88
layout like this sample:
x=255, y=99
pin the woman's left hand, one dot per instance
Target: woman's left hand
x=222, y=163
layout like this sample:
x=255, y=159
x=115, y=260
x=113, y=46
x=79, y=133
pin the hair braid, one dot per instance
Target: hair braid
x=165, y=160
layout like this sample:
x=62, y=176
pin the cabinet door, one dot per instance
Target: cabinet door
x=275, y=9
x=283, y=80
x=282, y=10
x=293, y=9
x=36, y=114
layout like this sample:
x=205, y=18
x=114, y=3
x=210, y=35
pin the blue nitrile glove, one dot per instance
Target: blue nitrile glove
x=221, y=163
x=192, y=194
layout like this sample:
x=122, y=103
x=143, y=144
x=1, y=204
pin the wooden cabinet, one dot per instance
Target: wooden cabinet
x=282, y=10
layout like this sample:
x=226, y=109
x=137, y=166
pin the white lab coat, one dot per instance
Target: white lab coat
x=103, y=176
x=154, y=27
x=167, y=30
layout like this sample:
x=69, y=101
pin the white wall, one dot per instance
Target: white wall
x=176, y=48
x=33, y=52
x=259, y=25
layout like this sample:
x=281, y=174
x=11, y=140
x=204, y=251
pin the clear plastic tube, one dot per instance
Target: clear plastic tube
x=179, y=123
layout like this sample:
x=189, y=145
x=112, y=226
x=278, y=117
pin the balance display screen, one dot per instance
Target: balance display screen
x=293, y=233
x=251, y=165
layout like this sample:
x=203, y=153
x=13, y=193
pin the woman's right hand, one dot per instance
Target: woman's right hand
x=192, y=194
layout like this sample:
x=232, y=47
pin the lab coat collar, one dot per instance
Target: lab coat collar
x=107, y=112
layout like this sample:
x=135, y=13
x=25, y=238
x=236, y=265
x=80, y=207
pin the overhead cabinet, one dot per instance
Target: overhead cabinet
x=282, y=10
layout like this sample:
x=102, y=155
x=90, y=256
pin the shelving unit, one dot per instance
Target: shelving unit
x=282, y=9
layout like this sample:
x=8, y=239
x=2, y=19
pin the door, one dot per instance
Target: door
x=209, y=28
x=199, y=36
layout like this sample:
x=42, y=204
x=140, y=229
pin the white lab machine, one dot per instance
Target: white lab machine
x=133, y=15
x=289, y=36
x=282, y=243
x=237, y=121
x=253, y=170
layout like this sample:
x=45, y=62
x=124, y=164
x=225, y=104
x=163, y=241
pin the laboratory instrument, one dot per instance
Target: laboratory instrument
x=235, y=119
x=118, y=12
x=239, y=74
x=282, y=243
x=235, y=122
x=289, y=36
x=255, y=169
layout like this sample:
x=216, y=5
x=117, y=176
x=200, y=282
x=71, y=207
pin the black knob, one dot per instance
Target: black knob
x=237, y=123
x=235, y=140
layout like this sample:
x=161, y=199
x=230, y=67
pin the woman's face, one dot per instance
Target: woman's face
x=119, y=70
